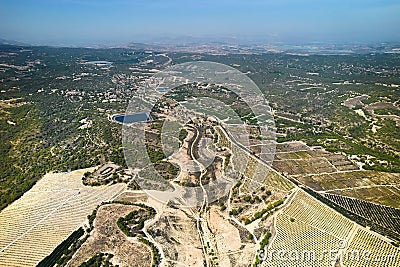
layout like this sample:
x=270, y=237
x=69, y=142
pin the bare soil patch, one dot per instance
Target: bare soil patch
x=108, y=238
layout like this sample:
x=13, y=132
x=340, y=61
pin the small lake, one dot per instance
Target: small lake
x=132, y=118
x=100, y=63
x=163, y=90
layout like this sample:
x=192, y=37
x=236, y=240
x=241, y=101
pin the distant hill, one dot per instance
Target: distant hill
x=143, y=46
x=12, y=42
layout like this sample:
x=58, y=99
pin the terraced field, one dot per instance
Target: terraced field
x=311, y=234
x=257, y=173
x=46, y=215
x=366, y=249
x=306, y=209
x=386, y=217
x=335, y=173
x=383, y=195
x=298, y=238
x=307, y=161
x=306, y=226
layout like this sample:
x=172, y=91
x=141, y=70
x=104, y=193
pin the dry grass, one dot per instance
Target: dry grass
x=232, y=250
x=176, y=232
x=107, y=237
x=133, y=196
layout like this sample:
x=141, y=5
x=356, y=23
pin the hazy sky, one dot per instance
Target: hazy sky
x=75, y=22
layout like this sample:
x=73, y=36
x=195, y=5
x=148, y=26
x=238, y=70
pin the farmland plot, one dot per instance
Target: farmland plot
x=307, y=231
x=46, y=215
x=367, y=249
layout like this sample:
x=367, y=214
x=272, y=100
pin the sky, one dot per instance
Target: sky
x=83, y=22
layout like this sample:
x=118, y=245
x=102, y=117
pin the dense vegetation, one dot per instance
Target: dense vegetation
x=374, y=214
x=91, y=218
x=51, y=92
x=20, y=161
x=263, y=245
x=307, y=94
x=58, y=117
x=99, y=260
x=63, y=252
x=154, y=251
x=133, y=223
x=270, y=208
x=182, y=135
x=393, y=234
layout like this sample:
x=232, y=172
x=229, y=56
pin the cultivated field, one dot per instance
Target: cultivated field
x=373, y=186
x=373, y=215
x=366, y=249
x=256, y=173
x=308, y=230
x=383, y=195
x=307, y=225
x=42, y=218
x=335, y=173
x=306, y=161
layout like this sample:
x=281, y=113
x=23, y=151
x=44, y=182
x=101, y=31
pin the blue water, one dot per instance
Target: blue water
x=163, y=90
x=132, y=118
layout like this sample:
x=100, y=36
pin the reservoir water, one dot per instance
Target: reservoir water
x=132, y=118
